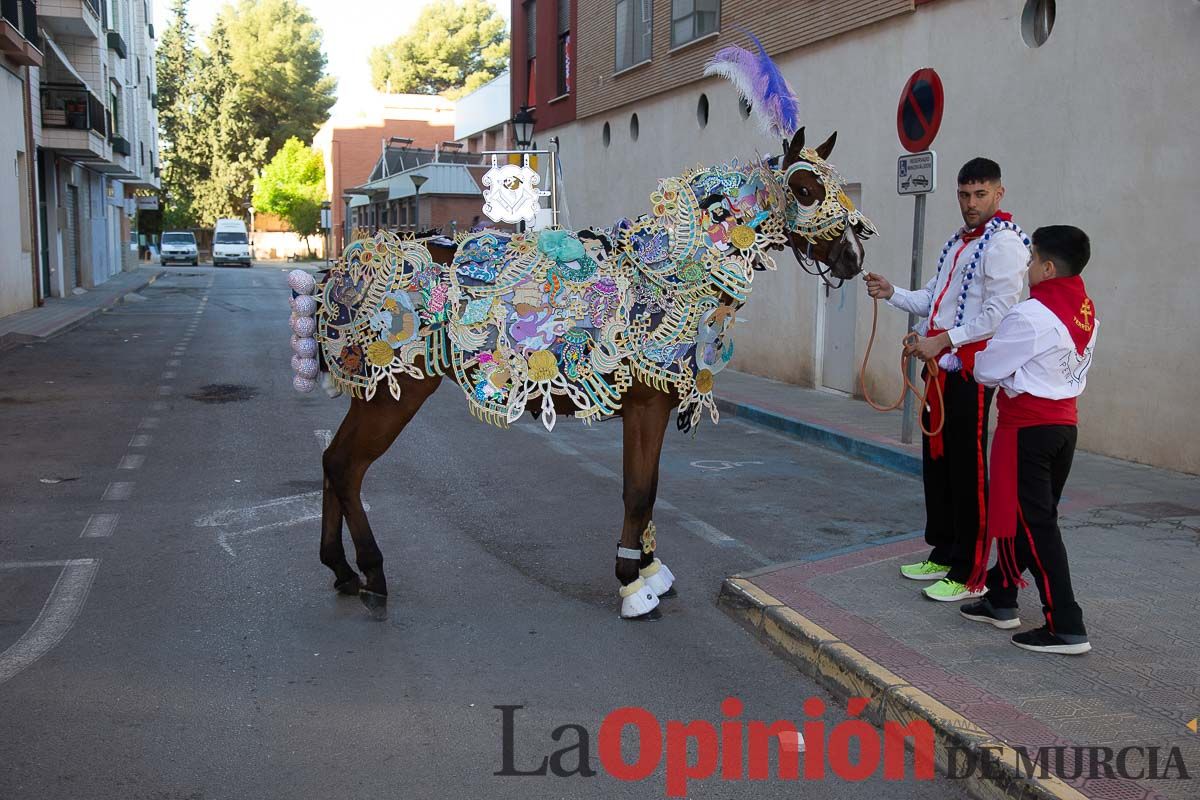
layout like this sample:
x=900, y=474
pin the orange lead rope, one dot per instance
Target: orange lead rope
x=921, y=394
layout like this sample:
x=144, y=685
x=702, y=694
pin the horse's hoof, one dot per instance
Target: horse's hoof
x=637, y=599
x=350, y=586
x=658, y=578
x=375, y=603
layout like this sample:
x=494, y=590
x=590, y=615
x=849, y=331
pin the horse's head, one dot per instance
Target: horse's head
x=822, y=223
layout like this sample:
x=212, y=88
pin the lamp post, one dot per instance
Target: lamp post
x=325, y=226
x=418, y=181
x=346, y=198
x=522, y=123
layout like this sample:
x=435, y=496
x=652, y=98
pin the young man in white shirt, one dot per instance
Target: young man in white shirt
x=1039, y=358
x=979, y=277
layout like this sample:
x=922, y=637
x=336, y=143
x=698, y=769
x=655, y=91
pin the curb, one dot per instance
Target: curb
x=877, y=453
x=15, y=338
x=845, y=672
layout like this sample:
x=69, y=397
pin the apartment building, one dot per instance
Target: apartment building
x=353, y=139
x=87, y=102
x=1090, y=108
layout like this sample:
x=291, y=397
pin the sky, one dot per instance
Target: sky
x=351, y=28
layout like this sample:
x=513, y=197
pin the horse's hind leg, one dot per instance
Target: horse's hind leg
x=645, y=413
x=367, y=432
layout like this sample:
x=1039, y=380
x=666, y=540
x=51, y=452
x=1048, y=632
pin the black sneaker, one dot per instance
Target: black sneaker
x=1042, y=640
x=982, y=611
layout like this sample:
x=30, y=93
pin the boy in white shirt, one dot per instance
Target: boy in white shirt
x=1039, y=358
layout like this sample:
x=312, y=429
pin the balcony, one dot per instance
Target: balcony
x=120, y=145
x=19, y=39
x=73, y=121
x=117, y=44
x=79, y=18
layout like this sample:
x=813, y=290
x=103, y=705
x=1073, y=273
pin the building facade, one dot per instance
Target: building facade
x=353, y=140
x=1047, y=89
x=88, y=104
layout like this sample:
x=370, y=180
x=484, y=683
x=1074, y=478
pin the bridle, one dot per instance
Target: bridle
x=812, y=266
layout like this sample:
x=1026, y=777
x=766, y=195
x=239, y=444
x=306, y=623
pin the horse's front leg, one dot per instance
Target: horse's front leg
x=645, y=413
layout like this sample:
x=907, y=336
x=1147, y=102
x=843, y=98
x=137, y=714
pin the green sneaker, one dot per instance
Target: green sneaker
x=951, y=591
x=924, y=571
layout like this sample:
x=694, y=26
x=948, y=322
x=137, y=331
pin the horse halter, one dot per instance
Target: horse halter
x=823, y=220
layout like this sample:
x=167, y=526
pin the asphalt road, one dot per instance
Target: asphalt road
x=167, y=631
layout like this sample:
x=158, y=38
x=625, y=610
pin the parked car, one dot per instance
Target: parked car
x=230, y=244
x=179, y=246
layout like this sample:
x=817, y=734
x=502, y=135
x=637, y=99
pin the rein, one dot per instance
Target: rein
x=805, y=259
x=921, y=394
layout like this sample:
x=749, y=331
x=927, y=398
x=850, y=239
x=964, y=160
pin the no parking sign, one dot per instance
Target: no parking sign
x=919, y=114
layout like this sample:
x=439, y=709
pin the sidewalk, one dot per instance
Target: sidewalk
x=62, y=313
x=851, y=621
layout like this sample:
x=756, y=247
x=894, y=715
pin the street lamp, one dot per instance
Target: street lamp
x=418, y=181
x=522, y=123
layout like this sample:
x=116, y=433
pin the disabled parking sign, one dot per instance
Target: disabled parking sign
x=916, y=173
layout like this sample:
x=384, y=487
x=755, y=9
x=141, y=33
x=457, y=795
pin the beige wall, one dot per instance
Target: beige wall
x=16, y=269
x=1096, y=128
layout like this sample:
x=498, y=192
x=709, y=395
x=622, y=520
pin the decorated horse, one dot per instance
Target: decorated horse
x=633, y=322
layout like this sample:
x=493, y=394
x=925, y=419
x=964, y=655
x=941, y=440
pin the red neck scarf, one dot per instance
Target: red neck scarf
x=975, y=233
x=1067, y=299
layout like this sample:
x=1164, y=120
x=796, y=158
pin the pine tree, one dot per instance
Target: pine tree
x=184, y=152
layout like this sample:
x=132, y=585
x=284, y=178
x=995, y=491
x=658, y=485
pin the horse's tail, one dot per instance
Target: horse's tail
x=306, y=358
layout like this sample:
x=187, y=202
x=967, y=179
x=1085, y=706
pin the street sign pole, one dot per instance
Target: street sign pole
x=914, y=281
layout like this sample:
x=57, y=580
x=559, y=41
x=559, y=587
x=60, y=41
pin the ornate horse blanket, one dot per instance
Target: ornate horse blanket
x=519, y=318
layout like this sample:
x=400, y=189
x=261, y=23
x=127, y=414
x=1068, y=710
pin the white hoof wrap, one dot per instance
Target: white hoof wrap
x=658, y=578
x=637, y=599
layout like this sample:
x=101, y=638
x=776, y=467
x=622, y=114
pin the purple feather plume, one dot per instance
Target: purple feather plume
x=761, y=84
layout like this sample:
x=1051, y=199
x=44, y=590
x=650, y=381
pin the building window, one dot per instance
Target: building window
x=691, y=19
x=1037, y=20
x=531, y=53
x=114, y=111
x=635, y=127
x=633, y=32
x=564, y=47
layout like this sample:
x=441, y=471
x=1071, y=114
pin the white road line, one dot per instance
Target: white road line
x=140, y=440
x=779, y=437
x=691, y=523
x=165, y=390
x=158, y=405
x=174, y=362
x=132, y=461
x=99, y=526
x=118, y=490
x=35, y=564
x=56, y=617
x=168, y=375
x=148, y=423
x=282, y=512
x=324, y=437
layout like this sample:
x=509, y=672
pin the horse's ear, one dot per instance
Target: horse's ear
x=824, y=150
x=793, y=149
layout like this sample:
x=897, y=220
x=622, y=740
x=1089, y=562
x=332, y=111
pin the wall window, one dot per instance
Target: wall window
x=531, y=53
x=633, y=32
x=691, y=19
x=564, y=47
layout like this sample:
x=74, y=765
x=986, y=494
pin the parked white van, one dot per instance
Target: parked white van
x=230, y=244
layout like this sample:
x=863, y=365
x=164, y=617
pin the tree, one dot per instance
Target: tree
x=236, y=152
x=292, y=187
x=185, y=152
x=455, y=47
x=276, y=59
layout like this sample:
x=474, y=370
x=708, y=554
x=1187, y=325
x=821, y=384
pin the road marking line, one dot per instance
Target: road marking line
x=99, y=526
x=324, y=437
x=168, y=375
x=132, y=461
x=174, y=362
x=704, y=530
x=118, y=490
x=751, y=427
x=165, y=390
x=148, y=423
x=282, y=512
x=56, y=617
x=140, y=440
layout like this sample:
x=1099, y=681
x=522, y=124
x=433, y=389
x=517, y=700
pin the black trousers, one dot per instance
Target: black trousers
x=956, y=483
x=1044, y=455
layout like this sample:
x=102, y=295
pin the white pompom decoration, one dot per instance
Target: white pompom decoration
x=308, y=368
x=301, y=282
x=305, y=348
x=305, y=305
x=304, y=327
x=305, y=385
x=296, y=364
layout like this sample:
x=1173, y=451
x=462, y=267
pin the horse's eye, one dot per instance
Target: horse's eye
x=804, y=191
